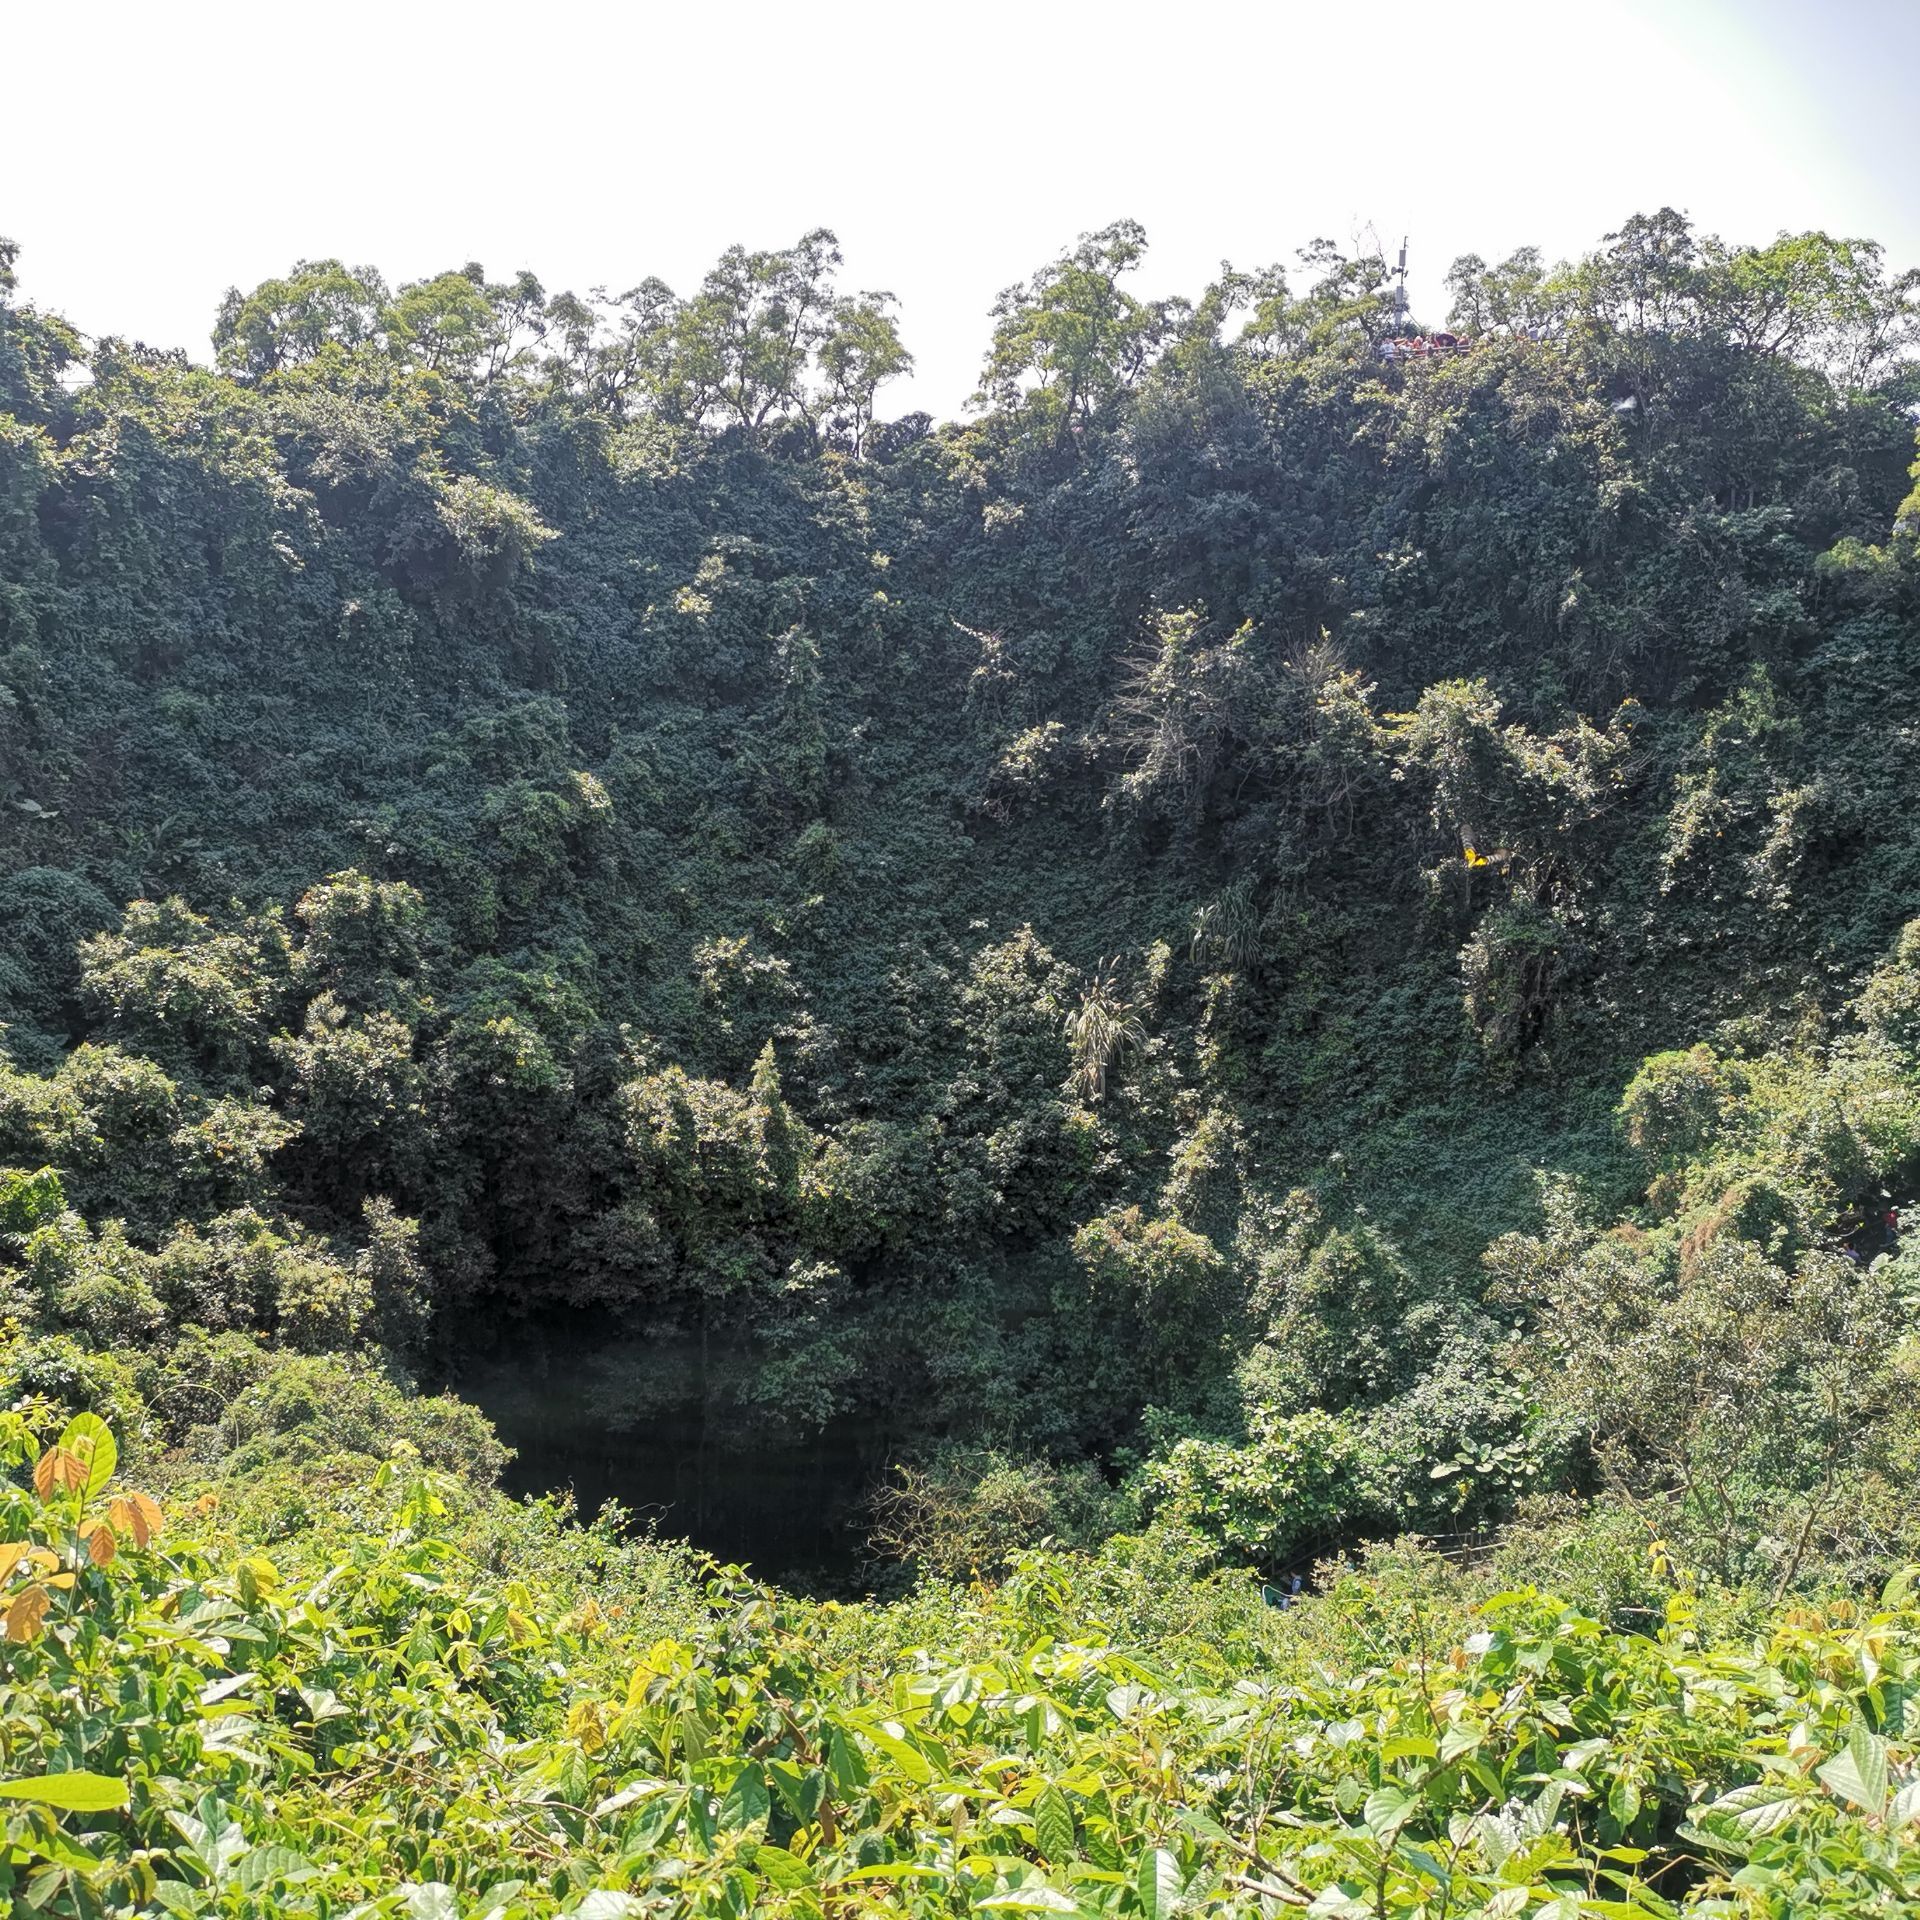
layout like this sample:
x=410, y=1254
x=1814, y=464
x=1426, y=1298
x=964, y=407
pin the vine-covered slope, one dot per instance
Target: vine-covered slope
x=1300, y=932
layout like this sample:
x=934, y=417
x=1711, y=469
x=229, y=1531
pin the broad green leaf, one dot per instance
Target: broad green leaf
x=266, y=1864
x=904, y=1755
x=1158, y=1884
x=746, y=1801
x=1036, y=1899
x=801, y=1790
x=575, y=1775
x=629, y=1795
x=1899, y=1706
x=607, y=1903
x=213, y=1833
x=1764, y=1807
x=845, y=1763
x=1495, y=1839
x=1053, y=1827
x=431, y=1900
x=1860, y=1773
x=1388, y=1809
x=1538, y=1817
x=786, y=1870
x=217, y=1690
x=71, y=1792
x=88, y=1436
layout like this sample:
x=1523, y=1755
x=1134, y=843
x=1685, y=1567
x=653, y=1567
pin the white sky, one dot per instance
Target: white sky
x=153, y=154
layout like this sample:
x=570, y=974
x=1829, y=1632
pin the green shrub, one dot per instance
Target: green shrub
x=320, y=1305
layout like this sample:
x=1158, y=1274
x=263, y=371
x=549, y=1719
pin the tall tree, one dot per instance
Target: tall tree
x=1071, y=339
x=746, y=340
x=861, y=351
x=287, y=322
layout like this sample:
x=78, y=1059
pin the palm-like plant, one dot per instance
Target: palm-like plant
x=1104, y=1031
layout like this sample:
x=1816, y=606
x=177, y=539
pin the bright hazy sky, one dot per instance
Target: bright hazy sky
x=154, y=154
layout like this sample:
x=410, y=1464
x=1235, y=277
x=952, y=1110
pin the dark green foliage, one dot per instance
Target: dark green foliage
x=1283, y=940
x=1070, y=933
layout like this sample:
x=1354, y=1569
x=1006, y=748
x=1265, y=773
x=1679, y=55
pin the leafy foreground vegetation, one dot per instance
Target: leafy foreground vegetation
x=377, y=1723
x=1292, y=938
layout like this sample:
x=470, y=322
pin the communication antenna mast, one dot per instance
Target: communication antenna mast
x=1400, y=285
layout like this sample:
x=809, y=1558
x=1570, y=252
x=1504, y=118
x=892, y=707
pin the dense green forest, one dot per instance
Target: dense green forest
x=1301, y=934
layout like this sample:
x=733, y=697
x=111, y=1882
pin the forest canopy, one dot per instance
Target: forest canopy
x=1301, y=932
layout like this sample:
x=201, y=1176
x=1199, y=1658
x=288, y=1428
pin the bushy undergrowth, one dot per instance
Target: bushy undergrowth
x=372, y=1719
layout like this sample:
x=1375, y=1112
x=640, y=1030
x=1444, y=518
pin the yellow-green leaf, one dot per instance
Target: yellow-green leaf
x=72, y=1792
x=90, y=1440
